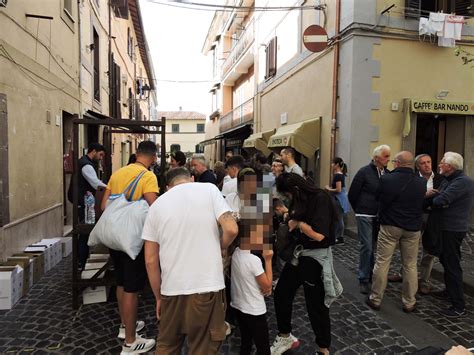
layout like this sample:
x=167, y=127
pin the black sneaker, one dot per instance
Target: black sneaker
x=453, y=313
x=339, y=240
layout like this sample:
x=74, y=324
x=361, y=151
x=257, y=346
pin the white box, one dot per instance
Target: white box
x=94, y=295
x=56, y=249
x=66, y=246
x=99, y=256
x=40, y=248
x=11, y=286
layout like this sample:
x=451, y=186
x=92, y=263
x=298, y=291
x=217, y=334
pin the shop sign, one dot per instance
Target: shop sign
x=442, y=107
x=279, y=141
x=233, y=142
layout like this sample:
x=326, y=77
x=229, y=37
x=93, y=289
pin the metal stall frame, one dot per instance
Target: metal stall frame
x=114, y=126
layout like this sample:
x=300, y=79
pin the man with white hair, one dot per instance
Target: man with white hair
x=200, y=169
x=362, y=196
x=456, y=197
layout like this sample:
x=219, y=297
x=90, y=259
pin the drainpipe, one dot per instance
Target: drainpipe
x=335, y=85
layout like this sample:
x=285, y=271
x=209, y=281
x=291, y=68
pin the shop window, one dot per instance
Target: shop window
x=422, y=8
x=175, y=148
x=200, y=128
x=271, y=58
x=175, y=128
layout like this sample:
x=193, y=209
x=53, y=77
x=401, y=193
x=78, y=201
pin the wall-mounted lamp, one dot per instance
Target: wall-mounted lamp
x=442, y=94
x=90, y=47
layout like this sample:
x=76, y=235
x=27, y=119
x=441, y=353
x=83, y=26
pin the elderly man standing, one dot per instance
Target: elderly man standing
x=401, y=195
x=362, y=198
x=456, y=198
x=433, y=181
x=200, y=169
x=184, y=263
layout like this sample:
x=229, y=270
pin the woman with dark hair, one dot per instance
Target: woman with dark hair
x=312, y=214
x=338, y=190
x=178, y=159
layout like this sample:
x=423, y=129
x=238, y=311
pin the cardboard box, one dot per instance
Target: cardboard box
x=56, y=249
x=26, y=264
x=47, y=254
x=96, y=294
x=11, y=286
x=37, y=266
x=66, y=246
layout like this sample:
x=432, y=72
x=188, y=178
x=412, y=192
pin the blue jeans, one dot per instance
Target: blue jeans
x=366, y=250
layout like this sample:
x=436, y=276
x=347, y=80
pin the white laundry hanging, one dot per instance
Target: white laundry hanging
x=453, y=27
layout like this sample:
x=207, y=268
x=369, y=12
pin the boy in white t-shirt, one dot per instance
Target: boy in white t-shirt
x=250, y=281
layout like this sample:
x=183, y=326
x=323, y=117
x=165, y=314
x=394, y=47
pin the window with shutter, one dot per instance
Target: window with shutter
x=120, y=8
x=96, y=58
x=464, y=7
x=118, y=92
x=422, y=8
x=271, y=58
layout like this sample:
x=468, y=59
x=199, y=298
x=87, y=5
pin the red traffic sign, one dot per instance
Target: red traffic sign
x=315, y=38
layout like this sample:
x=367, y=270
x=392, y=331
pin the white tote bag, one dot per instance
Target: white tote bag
x=120, y=226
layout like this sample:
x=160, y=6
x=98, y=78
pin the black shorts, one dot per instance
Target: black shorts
x=131, y=274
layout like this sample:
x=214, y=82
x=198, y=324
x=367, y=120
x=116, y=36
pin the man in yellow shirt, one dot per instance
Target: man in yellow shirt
x=131, y=274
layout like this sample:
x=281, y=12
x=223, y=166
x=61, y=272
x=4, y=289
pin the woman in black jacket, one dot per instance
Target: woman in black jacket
x=312, y=215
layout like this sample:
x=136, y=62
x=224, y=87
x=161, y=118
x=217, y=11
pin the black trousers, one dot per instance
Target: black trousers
x=253, y=329
x=309, y=274
x=450, y=258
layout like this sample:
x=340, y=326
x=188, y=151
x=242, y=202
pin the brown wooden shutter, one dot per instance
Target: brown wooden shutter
x=464, y=7
x=271, y=58
x=413, y=8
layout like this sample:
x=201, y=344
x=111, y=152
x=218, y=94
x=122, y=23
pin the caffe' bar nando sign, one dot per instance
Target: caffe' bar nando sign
x=442, y=107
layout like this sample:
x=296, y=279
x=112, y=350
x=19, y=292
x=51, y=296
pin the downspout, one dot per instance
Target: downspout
x=80, y=55
x=335, y=85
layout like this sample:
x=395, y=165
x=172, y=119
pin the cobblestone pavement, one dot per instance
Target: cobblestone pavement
x=460, y=330
x=43, y=322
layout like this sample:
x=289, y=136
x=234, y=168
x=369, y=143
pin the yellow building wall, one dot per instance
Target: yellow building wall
x=188, y=137
x=411, y=69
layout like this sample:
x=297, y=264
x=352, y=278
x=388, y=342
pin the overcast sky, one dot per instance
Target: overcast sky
x=175, y=37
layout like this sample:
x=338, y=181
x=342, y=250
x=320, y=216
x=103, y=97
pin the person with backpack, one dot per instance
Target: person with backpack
x=312, y=217
x=131, y=274
x=88, y=181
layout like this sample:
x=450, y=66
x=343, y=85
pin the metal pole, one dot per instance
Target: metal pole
x=75, y=233
x=163, y=155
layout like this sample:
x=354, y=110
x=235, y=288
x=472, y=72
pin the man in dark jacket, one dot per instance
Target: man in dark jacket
x=456, y=198
x=87, y=182
x=401, y=195
x=424, y=168
x=200, y=169
x=362, y=198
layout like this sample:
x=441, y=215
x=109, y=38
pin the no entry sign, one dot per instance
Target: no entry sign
x=315, y=38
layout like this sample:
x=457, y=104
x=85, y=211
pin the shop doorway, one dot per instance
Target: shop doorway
x=67, y=164
x=437, y=134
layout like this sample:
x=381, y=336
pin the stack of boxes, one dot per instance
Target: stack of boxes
x=20, y=271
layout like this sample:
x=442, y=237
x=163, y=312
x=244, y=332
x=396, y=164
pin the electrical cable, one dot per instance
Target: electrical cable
x=230, y=8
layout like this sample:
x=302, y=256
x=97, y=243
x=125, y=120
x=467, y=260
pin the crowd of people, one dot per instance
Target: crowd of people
x=213, y=240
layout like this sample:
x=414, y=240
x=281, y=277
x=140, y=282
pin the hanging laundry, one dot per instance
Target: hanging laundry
x=436, y=21
x=453, y=27
x=446, y=42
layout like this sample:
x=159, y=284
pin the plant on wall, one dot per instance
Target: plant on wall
x=466, y=57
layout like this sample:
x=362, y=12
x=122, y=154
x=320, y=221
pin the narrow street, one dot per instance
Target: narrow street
x=44, y=322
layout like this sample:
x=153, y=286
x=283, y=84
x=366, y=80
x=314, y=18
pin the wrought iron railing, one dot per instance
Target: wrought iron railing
x=239, y=115
x=243, y=44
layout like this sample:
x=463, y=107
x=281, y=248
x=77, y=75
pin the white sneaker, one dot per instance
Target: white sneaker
x=139, y=346
x=121, y=334
x=281, y=344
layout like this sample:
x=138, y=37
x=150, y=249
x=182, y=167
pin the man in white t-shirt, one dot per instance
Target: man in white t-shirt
x=184, y=263
x=288, y=156
x=233, y=165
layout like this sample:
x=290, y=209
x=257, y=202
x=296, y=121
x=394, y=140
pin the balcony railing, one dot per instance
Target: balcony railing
x=244, y=43
x=239, y=115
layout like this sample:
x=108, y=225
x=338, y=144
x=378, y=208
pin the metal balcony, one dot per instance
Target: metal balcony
x=236, y=117
x=240, y=57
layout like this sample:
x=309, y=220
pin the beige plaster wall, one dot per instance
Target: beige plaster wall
x=303, y=93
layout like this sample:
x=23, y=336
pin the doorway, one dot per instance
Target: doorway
x=437, y=134
x=67, y=164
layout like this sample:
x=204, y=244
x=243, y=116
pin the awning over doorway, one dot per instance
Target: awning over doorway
x=207, y=142
x=438, y=107
x=259, y=141
x=304, y=137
